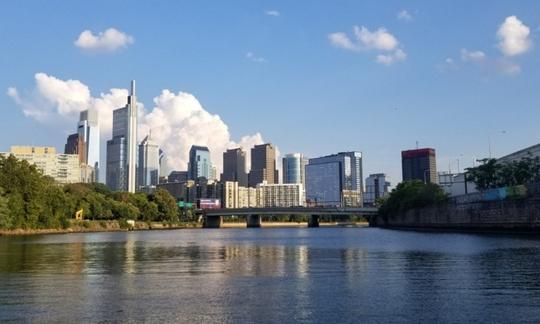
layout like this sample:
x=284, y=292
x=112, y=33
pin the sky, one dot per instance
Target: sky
x=316, y=77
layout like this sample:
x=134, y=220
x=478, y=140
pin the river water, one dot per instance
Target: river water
x=325, y=275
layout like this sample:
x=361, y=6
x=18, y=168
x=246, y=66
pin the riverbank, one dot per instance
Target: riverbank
x=90, y=226
x=507, y=216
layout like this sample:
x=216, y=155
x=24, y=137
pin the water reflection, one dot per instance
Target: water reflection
x=325, y=275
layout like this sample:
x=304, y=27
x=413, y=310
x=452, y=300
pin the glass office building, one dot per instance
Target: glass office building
x=88, y=137
x=332, y=180
x=199, y=165
x=149, y=163
x=294, y=168
x=122, y=148
x=116, y=176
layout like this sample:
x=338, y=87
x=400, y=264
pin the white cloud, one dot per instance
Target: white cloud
x=177, y=120
x=472, y=56
x=108, y=41
x=389, y=59
x=514, y=40
x=513, y=37
x=273, y=13
x=341, y=40
x=254, y=58
x=480, y=59
x=404, y=15
x=380, y=40
x=52, y=98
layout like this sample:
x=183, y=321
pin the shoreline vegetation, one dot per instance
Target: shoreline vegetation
x=90, y=226
x=31, y=203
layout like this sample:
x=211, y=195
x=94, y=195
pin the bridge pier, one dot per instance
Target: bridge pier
x=313, y=221
x=253, y=221
x=212, y=221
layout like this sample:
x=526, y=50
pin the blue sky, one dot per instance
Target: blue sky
x=456, y=88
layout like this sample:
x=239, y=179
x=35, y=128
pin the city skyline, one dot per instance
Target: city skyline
x=386, y=91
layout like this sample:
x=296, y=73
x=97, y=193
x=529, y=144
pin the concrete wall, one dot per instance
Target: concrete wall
x=520, y=214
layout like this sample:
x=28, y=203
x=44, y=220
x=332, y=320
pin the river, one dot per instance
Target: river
x=324, y=275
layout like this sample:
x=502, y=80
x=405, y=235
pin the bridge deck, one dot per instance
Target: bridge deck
x=361, y=211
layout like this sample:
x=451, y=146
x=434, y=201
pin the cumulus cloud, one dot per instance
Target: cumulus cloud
x=389, y=59
x=513, y=37
x=177, y=120
x=108, y=41
x=472, y=56
x=483, y=61
x=341, y=40
x=53, y=99
x=254, y=58
x=404, y=15
x=273, y=13
x=380, y=40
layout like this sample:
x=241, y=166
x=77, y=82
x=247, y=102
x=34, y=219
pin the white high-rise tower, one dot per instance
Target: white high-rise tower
x=132, y=140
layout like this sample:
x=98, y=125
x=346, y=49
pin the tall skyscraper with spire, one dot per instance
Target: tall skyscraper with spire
x=132, y=140
x=122, y=148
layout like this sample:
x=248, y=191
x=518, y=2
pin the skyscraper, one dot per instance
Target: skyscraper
x=132, y=139
x=234, y=167
x=294, y=167
x=72, y=144
x=199, y=165
x=88, y=139
x=149, y=156
x=376, y=187
x=332, y=180
x=263, y=165
x=122, y=148
x=419, y=164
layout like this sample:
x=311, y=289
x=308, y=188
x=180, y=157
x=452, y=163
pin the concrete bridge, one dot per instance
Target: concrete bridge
x=213, y=218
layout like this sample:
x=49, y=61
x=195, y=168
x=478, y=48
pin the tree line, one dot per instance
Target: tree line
x=410, y=195
x=31, y=200
x=493, y=174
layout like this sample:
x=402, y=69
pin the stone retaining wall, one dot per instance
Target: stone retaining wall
x=519, y=214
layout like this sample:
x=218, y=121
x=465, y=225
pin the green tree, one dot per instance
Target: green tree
x=123, y=210
x=412, y=194
x=167, y=208
x=6, y=220
x=485, y=175
x=492, y=174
